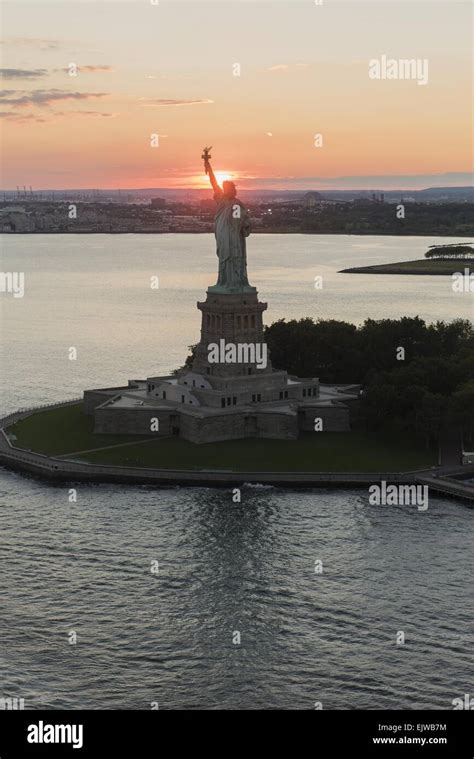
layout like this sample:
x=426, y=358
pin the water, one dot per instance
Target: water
x=224, y=567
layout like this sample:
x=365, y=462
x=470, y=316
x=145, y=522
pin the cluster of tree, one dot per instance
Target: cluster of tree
x=415, y=377
x=450, y=251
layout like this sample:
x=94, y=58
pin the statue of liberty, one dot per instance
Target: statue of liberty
x=232, y=227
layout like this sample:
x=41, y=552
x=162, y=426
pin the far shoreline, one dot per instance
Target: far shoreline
x=253, y=232
x=420, y=267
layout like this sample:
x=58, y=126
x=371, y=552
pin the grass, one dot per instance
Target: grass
x=324, y=452
x=62, y=430
x=423, y=266
x=66, y=430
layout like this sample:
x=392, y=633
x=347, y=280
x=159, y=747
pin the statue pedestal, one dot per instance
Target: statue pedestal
x=235, y=318
x=228, y=290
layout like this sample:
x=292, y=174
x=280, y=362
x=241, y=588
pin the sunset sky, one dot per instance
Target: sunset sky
x=169, y=69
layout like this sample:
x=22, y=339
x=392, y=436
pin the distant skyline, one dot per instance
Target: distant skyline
x=301, y=184
x=168, y=70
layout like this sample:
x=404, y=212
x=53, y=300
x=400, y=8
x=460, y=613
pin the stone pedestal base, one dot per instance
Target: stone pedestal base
x=235, y=318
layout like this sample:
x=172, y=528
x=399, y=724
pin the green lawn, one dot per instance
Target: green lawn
x=62, y=430
x=67, y=429
x=325, y=452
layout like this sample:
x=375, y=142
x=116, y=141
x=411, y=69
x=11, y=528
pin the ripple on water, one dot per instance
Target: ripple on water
x=223, y=568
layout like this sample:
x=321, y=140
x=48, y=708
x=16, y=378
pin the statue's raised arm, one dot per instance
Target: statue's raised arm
x=206, y=156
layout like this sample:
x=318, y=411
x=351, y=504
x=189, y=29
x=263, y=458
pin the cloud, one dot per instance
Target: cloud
x=42, y=98
x=95, y=68
x=93, y=114
x=163, y=102
x=23, y=73
x=37, y=73
x=20, y=117
x=173, y=76
x=41, y=42
x=87, y=69
x=288, y=67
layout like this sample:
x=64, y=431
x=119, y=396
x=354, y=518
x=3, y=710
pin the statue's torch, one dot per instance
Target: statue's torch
x=206, y=156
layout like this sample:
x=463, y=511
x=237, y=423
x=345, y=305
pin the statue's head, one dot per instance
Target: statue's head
x=229, y=189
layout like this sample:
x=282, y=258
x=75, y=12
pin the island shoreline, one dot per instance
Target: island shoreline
x=57, y=470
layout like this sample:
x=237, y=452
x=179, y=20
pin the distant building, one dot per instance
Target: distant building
x=208, y=205
x=12, y=209
x=158, y=202
x=15, y=219
x=312, y=200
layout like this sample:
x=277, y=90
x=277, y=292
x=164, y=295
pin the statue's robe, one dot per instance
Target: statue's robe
x=232, y=226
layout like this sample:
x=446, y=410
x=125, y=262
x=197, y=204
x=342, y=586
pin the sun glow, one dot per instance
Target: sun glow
x=222, y=176
x=201, y=180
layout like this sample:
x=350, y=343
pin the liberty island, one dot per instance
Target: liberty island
x=225, y=394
